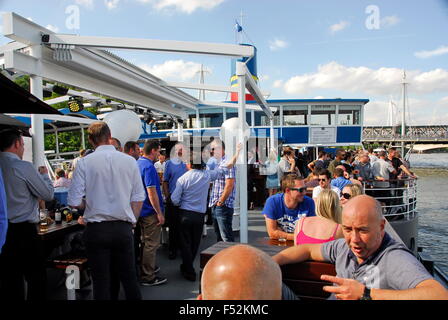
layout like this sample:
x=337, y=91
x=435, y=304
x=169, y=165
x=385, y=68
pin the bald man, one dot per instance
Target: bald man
x=241, y=272
x=369, y=263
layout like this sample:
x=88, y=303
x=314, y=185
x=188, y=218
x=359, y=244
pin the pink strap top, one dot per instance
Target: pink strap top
x=302, y=238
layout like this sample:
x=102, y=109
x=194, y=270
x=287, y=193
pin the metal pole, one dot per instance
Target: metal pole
x=242, y=170
x=83, y=138
x=403, y=115
x=37, y=122
x=272, y=135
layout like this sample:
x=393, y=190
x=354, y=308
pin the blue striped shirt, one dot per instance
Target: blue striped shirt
x=219, y=184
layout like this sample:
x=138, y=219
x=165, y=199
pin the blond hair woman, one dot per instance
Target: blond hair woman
x=350, y=191
x=325, y=226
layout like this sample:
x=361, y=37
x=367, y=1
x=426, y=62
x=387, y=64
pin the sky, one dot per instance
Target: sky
x=305, y=48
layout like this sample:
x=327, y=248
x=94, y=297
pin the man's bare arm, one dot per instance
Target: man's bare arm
x=227, y=190
x=426, y=290
x=299, y=253
x=275, y=232
x=154, y=199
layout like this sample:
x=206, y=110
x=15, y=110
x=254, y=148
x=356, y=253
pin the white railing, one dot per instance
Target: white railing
x=399, y=200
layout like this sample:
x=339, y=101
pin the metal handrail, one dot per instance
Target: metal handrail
x=396, y=201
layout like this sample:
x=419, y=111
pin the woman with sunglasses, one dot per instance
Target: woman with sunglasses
x=350, y=191
x=325, y=226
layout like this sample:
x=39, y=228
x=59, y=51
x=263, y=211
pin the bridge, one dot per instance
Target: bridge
x=425, y=134
x=423, y=137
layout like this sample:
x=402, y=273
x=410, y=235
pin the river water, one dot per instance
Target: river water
x=432, y=170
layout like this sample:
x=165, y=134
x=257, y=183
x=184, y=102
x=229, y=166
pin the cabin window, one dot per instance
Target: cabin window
x=323, y=115
x=233, y=113
x=295, y=115
x=262, y=120
x=191, y=123
x=211, y=118
x=349, y=115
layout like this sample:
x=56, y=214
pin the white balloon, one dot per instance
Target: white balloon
x=124, y=125
x=231, y=132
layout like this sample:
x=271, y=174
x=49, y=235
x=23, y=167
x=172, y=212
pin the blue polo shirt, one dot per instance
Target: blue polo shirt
x=340, y=183
x=276, y=209
x=3, y=213
x=174, y=169
x=150, y=178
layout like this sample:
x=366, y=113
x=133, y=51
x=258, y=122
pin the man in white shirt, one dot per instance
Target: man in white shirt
x=111, y=184
x=381, y=170
x=324, y=183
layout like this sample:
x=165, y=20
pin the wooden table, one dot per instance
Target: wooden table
x=55, y=231
x=303, y=278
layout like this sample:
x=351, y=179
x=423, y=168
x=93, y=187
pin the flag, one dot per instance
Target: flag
x=238, y=27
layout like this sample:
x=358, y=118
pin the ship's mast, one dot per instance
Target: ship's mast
x=403, y=115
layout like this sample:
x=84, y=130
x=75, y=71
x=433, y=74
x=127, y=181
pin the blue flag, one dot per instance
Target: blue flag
x=238, y=27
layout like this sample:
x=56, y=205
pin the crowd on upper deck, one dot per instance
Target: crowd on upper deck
x=128, y=195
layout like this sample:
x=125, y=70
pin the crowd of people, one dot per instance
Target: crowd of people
x=129, y=194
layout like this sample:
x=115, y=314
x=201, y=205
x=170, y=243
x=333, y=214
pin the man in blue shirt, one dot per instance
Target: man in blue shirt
x=282, y=210
x=151, y=217
x=174, y=169
x=339, y=180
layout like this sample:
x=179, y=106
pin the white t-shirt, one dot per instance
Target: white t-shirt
x=160, y=167
x=318, y=189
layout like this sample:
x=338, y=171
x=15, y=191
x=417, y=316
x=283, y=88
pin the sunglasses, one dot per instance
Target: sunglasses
x=303, y=189
x=322, y=180
x=346, y=195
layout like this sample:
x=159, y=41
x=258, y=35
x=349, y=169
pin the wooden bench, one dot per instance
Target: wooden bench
x=302, y=278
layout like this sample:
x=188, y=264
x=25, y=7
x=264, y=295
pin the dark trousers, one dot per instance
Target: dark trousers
x=22, y=259
x=110, y=251
x=222, y=220
x=191, y=226
x=172, y=222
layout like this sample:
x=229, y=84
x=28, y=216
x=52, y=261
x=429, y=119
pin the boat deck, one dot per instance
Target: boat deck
x=176, y=288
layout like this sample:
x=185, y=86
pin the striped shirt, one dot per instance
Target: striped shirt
x=219, y=184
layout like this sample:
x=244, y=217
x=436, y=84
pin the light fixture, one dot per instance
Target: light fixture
x=75, y=104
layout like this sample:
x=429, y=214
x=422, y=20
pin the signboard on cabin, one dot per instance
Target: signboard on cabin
x=322, y=135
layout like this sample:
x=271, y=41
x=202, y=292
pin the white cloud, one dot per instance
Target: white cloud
x=376, y=112
x=277, y=83
x=366, y=81
x=339, y=26
x=432, y=53
x=52, y=28
x=174, y=70
x=111, y=4
x=277, y=44
x=186, y=6
x=389, y=21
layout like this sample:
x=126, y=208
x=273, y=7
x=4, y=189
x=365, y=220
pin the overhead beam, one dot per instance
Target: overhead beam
x=200, y=86
x=55, y=117
x=17, y=61
x=235, y=106
x=253, y=88
x=219, y=49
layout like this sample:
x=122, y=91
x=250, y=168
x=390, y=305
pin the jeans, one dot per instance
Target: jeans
x=222, y=220
x=110, y=251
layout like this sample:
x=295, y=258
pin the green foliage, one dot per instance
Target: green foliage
x=68, y=141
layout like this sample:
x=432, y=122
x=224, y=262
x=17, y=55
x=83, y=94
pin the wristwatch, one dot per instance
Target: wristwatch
x=219, y=203
x=366, y=294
